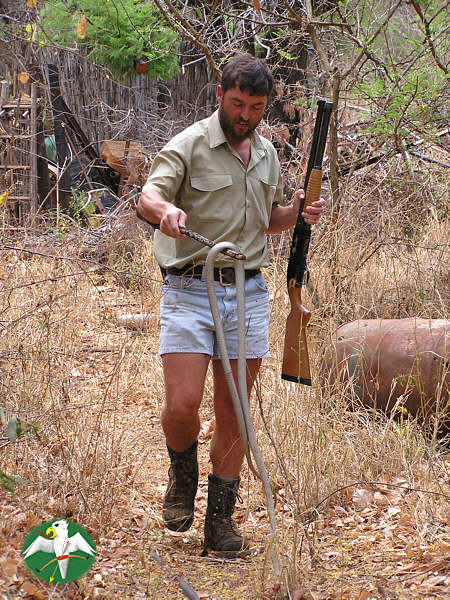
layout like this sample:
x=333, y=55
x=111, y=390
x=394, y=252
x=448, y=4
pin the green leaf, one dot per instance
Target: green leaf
x=117, y=34
x=19, y=479
x=7, y=482
x=13, y=428
x=32, y=428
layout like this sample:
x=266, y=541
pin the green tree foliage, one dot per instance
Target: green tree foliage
x=118, y=33
x=403, y=76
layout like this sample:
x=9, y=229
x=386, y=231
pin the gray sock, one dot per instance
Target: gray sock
x=226, y=479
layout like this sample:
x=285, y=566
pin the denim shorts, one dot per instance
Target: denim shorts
x=187, y=324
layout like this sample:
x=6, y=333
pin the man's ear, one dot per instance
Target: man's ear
x=219, y=94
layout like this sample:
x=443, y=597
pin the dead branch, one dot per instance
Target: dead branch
x=427, y=33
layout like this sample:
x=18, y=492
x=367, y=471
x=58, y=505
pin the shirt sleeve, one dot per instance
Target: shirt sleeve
x=279, y=192
x=167, y=173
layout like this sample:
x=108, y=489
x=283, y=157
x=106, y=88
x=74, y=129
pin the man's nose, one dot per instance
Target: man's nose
x=245, y=112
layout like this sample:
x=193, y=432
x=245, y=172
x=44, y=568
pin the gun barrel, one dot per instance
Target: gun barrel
x=319, y=139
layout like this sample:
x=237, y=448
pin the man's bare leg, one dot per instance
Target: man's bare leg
x=184, y=376
x=221, y=533
x=226, y=451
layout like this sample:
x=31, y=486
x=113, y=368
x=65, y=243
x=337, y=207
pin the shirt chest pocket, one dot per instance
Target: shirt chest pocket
x=210, y=197
x=264, y=194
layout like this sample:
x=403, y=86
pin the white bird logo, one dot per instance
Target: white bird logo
x=60, y=544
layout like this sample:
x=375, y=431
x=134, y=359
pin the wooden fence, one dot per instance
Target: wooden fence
x=18, y=152
x=140, y=109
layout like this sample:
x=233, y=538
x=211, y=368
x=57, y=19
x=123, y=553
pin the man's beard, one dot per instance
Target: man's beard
x=229, y=131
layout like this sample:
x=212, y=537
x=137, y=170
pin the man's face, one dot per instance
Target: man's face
x=239, y=112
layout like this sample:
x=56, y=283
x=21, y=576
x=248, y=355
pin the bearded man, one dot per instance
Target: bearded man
x=221, y=179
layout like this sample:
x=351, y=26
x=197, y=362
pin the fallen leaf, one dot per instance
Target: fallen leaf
x=9, y=567
x=410, y=550
x=302, y=594
x=98, y=580
x=30, y=589
x=81, y=29
x=407, y=522
x=207, y=429
x=120, y=552
x=393, y=510
x=257, y=6
x=380, y=499
x=362, y=498
x=340, y=512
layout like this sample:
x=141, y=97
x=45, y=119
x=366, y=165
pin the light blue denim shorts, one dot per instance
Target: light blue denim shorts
x=187, y=324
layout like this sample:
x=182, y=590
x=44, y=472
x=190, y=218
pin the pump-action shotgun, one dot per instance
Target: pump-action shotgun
x=295, y=357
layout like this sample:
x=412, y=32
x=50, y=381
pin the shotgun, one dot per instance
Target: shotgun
x=295, y=355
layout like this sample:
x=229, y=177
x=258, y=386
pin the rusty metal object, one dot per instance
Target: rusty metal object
x=390, y=360
x=124, y=157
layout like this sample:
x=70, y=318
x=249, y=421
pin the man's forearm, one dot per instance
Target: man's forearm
x=285, y=217
x=151, y=205
x=282, y=218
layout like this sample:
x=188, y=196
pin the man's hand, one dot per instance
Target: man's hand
x=313, y=212
x=285, y=217
x=172, y=220
x=155, y=209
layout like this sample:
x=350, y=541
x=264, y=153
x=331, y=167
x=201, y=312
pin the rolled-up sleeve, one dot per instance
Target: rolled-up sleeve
x=167, y=173
x=279, y=192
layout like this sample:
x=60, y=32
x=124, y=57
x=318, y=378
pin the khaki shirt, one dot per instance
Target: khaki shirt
x=205, y=177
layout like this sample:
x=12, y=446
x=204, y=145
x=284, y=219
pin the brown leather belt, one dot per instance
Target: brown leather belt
x=225, y=275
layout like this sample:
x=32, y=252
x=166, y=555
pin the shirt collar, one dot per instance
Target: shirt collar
x=217, y=136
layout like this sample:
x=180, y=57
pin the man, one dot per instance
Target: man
x=220, y=178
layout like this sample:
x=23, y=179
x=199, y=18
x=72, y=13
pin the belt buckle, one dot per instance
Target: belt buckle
x=221, y=278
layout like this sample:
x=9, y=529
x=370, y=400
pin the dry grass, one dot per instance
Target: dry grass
x=94, y=390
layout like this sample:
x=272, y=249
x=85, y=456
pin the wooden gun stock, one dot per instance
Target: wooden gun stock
x=295, y=355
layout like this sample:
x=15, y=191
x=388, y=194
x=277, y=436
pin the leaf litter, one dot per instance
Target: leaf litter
x=376, y=541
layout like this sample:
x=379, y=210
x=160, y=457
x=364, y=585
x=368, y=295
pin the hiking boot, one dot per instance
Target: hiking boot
x=178, y=507
x=221, y=533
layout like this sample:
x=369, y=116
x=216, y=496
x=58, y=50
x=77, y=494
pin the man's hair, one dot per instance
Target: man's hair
x=249, y=74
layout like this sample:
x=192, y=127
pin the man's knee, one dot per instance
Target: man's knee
x=181, y=408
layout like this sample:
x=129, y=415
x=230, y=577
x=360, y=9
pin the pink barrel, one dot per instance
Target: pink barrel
x=384, y=359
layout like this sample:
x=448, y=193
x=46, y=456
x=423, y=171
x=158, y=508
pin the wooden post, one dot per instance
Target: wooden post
x=123, y=172
x=60, y=138
x=33, y=152
x=97, y=200
x=4, y=92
